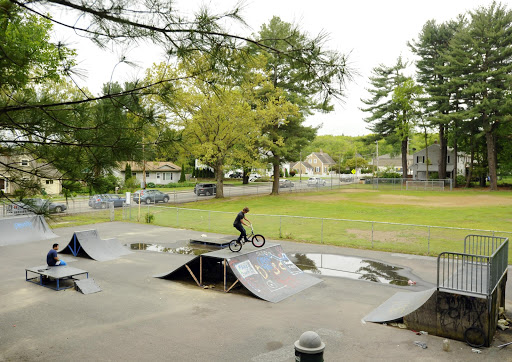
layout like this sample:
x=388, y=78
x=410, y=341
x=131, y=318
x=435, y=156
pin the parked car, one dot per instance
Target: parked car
x=37, y=206
x=43, y=205
x=17, y=208
x=254, y=177
x=149, y=196
x=236, y=174
x=316, y=181
x=205, y=189
x=101, y=201
x=285, y=183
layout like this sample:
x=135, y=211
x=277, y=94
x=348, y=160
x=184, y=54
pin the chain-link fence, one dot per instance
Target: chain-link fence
x=394, y=237
x=82, y=204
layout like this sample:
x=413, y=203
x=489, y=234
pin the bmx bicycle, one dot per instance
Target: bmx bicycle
x=256, y=239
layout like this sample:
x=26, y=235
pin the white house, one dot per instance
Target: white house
x=420, y=162
x=156, y=172
x=17, y=169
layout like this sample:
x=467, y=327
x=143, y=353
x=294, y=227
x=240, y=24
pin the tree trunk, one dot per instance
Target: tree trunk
x=404, y=158
x=472, y=159
x=426, y=152
x=443, y=152
x=491, y=160
x=275, y=185
x=219, y=177
x=455, y=151
x=245, y=175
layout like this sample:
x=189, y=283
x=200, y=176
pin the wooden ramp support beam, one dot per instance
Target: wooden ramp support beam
x=193, y=276
x=201, y=270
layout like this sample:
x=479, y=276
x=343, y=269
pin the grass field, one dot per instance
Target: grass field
x=314, y=217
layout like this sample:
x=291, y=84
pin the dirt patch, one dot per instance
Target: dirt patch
x=455, y=200
x=381, y=236
x=331, y=197
x=443, y=201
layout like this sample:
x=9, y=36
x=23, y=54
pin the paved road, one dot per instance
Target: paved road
x=80, y=204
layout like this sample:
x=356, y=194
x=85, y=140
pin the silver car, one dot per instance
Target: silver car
x=316, y=181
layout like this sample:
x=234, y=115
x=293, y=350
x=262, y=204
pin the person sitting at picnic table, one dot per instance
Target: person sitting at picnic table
x=52, y=259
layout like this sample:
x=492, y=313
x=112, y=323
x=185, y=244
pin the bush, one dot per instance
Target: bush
x=182, y=176
x=181, y=184
x=131, y=184
x=149, y=218
x=150, y=185
x=461, y=180
x=390, y=174
x=292, y=173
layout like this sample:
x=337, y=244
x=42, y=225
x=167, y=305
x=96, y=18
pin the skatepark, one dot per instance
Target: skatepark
x=139, y=317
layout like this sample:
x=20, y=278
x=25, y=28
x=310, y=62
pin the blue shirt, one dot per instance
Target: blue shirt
x=50, y=258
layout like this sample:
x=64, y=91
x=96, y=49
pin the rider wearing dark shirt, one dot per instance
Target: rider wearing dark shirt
x=240, y=217
x=52, y=259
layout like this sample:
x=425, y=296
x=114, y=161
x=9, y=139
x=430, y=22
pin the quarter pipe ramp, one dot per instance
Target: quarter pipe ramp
x=24, y=229
x=89, y=244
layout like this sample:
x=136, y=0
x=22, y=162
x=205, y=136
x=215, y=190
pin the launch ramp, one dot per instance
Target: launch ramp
x=89, y=244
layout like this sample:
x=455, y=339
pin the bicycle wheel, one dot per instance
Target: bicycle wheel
x=258, y=240
x=235, y=245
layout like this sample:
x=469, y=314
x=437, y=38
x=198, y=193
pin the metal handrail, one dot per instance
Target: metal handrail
x=483, y=245
x=474, y=273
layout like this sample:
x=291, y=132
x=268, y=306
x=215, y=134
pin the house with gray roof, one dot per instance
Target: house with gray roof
x=317, y=164
x=160, y=173
x=19, y=171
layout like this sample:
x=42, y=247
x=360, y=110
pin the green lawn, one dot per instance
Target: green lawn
x=315, y=217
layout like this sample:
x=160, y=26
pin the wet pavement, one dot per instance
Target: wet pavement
x=137, y=317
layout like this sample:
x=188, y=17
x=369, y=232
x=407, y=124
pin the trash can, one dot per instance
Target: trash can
x=309, y=348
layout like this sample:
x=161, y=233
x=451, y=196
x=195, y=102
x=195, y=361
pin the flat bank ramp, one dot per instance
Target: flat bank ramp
x=269, y=274
x=399, y=305
x=24, y=229
x=88, y=243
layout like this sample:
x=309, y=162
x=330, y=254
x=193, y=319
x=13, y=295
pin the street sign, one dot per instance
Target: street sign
x=353, y=171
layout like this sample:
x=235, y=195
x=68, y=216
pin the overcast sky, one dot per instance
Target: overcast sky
x=372, y=32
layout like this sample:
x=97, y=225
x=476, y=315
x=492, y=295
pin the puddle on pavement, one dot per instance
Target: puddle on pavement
x=350, y=267
x=185, y=250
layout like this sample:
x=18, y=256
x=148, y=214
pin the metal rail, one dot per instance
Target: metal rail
x=474, y=273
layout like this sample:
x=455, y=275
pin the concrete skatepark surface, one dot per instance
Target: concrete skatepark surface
x=140, y=318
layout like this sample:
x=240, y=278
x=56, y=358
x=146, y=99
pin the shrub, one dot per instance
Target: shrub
x=390, y=174
x=151, y=185
x=149, y=218
x=461, y=180
x=182, y=176
x=132, y=184
x=292, y=173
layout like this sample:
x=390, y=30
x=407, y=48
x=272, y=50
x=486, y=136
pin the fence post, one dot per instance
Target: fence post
x=322, y=233
x=372, y=233
x=209, y=220
x=428, y=242
x=177, y=217
x=280, y=231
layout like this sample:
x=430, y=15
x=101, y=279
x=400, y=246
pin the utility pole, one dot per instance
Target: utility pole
x=377, y=145
x=300, y=166
x=143, y=166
